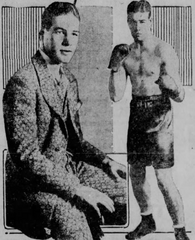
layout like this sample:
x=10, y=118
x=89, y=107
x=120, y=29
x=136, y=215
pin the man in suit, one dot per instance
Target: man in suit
x=55, y=179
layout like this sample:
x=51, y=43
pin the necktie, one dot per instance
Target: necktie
x=62, y=83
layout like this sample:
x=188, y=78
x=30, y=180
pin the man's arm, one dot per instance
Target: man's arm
x=169, y=80
x=117, y=84
x=118, y=77
x=96, y=157
x=85, y=151
x=21, y=130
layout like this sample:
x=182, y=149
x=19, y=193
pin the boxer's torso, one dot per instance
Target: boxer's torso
x=143, y=65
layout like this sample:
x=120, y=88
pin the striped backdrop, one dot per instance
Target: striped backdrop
x=174, y=25
x=20, y=27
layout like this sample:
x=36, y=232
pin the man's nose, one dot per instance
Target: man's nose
x=138, y=26
x=66, y=40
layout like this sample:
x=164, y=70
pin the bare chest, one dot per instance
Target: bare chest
x=145, y=65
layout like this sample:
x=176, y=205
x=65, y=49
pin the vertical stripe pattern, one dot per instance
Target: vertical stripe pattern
x=20, y=27
x=20, y=38
x=174, y=25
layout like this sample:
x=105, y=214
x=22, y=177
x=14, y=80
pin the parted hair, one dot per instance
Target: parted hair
x=139, y=6
x=56, y=9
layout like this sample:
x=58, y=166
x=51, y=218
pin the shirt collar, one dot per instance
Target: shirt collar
x=53, y=68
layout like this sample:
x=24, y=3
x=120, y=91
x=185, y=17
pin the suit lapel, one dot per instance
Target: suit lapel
x=74, y=104
x=49, y=91
x=47, y=85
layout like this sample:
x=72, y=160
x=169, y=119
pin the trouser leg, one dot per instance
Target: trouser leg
x=69, y=223
x=96, y=178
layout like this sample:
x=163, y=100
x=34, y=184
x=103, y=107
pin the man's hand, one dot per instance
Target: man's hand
x=168, y=85
x=95, y=197
x=115, y=169
x=167, y=82
x=119, y=53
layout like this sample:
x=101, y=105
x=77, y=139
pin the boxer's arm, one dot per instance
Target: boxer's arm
x=117, y=84
x=169, y=79
x=118, y=78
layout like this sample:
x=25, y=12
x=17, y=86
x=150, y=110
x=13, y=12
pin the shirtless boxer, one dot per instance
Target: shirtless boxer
x=152, y=66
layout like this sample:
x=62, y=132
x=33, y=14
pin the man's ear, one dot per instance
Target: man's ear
x=41, y=32
x=151, y=26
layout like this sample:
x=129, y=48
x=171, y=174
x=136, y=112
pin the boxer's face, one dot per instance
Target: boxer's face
x=60, y=41
x=139, y=25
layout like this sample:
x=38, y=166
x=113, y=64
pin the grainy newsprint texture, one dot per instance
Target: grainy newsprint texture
x=105, y=122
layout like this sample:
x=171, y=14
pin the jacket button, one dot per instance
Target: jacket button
x=57, y=149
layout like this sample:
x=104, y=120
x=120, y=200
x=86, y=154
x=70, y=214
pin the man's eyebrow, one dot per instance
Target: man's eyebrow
x=63, y=29
x=57, y=28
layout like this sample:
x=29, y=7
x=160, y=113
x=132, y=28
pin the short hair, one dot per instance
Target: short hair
x=56, y=9
x=139, y=6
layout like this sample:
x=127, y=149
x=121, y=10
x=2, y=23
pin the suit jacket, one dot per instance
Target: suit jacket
x=40, y=127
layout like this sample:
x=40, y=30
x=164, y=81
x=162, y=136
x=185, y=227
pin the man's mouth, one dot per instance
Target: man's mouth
x=65, y=52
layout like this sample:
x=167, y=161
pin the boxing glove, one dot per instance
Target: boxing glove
x=118, y=55
x=168, y=85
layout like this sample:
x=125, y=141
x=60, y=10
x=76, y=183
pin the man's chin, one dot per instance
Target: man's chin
x=64, y=59
x=138, y=39
x=57, y=59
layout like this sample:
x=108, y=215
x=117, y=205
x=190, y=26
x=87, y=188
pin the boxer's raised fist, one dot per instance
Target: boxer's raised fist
x=118, y=55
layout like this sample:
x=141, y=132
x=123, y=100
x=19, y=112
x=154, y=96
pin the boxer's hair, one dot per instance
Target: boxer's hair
x=139, y=6
x=56, y=9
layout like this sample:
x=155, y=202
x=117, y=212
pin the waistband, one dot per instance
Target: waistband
x=148, y=98
x=148, y=101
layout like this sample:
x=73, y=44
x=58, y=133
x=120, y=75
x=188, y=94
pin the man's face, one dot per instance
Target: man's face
x=60, y=41
x=139, y=25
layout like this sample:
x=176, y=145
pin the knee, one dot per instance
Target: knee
x=68, y=222
x=164, y=179
x=136, y=174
